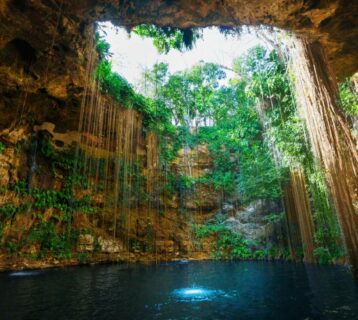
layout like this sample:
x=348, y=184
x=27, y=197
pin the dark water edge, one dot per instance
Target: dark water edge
x=181, y=290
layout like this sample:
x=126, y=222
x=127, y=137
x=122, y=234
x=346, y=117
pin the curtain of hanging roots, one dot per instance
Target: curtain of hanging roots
x=302, y=210
x=331, y=139
x=293, y=228
x=109, y=153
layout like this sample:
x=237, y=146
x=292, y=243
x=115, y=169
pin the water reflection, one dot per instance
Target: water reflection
x=24, y=273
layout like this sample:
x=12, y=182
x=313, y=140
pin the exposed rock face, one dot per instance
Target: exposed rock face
x=195, y=163
x=85, y=243
x=110, y=245
x=5, y=167
x=251, y=223
x=143, y=232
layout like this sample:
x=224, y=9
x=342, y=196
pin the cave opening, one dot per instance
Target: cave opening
x=206, y=155
x=170, y=142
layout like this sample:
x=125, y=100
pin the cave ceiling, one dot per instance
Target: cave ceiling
x=44, y=43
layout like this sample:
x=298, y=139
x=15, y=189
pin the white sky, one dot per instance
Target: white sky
x=133, y=54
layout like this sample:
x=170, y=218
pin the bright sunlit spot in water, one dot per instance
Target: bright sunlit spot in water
x=193, y=291
x=196, y=294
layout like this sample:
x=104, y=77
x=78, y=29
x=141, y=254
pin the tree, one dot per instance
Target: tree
x=166, y=38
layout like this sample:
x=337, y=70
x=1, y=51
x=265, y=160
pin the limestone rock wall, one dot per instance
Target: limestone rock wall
x=144, y=231
x=195, y=163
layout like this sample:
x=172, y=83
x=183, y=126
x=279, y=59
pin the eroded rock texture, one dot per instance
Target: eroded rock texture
x=43, y=42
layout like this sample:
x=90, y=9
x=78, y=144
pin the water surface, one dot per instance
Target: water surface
x=195, y=290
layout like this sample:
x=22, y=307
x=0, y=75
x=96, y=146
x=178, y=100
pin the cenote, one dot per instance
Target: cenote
x=178, y=159
x=182, y=290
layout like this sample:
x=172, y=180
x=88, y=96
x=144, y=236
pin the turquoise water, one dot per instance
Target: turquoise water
x=194, y=290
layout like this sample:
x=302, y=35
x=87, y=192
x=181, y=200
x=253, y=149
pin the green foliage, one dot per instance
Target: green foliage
x=2, y=225
x=135, y=245
x=18, y=147
x=204, y=230
x=259, y=178
x=166, y=38
x=155, y=115
x=20, y=187
x=3, y=190
x=189, y=95
x=349, y=99
x=96, y=246
x=2, y=147
x=227, y=244
x=47, y=149
x=58, y=244
x=82, y=257
x=192, y=98
x=322, y=255
x=327, y=233
x=242, y=161
x=260, y=254
x=285, y=131
x=232, y=245
x=103, y=48
x=11, y=247
x=62, y=200
x=55, y=235
x=52, y=242
x=273, y=217
x=116, y=86
x=225, y=119
x=269, y=86
x=8, y=210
